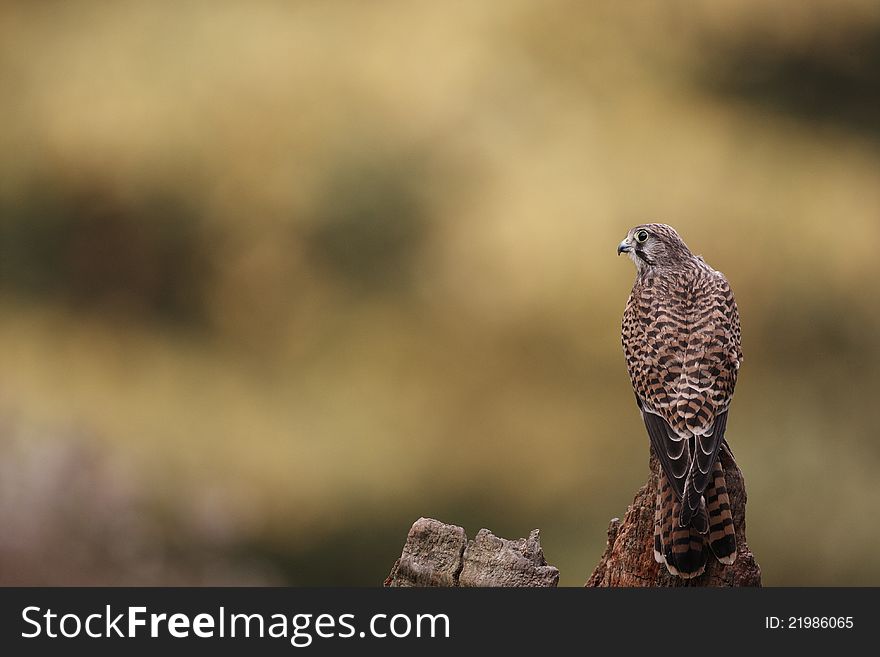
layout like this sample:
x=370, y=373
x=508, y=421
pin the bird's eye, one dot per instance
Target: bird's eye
x=642, y=236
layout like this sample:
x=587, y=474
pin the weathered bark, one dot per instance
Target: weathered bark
x=437, y=554
x=629, y=559
x=431, y=555
x=492, y=561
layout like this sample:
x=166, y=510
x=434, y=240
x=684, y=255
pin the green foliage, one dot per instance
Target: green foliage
x=91, y=249
x=368, y=226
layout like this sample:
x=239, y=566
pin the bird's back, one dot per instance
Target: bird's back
x=681, y=350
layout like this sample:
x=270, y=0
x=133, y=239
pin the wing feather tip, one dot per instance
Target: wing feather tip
x=728, y=560
x=695, y=573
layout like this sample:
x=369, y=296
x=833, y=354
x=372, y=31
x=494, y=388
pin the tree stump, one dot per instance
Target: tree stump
x=437, y=554
x=628, y=559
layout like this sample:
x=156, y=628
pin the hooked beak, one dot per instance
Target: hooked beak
x=623, y=247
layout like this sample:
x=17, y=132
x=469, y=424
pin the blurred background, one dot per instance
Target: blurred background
x=278, y=278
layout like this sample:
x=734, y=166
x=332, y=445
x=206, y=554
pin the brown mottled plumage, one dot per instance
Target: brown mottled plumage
x=681, y=338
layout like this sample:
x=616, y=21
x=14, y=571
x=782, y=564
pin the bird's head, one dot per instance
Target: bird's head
x=654, y=245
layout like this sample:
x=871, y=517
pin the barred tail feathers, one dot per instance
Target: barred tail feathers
x=722, y=538
x=684, y=549
x=688, y=547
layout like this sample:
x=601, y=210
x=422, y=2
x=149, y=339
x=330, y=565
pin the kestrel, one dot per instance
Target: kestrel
x=681, y=338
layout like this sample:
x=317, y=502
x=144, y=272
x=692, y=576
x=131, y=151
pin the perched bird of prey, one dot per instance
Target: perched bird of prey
x=681, y=338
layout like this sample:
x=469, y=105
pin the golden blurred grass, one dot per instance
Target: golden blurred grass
x=410, y=302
